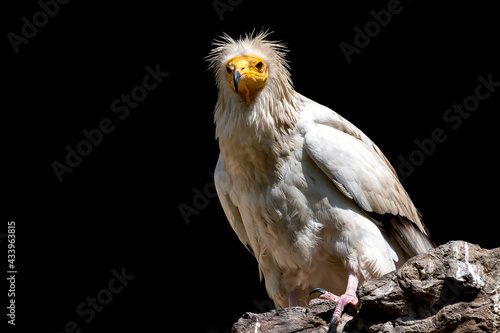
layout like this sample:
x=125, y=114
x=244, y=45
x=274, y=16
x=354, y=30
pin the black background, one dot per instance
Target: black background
x=120, y=207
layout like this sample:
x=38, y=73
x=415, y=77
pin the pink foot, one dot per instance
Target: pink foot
x=342, y=302
x=349, y=297
x=325, y=294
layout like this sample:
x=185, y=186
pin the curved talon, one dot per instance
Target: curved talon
x=331, y=327
x=318, y=290
x=325, y=294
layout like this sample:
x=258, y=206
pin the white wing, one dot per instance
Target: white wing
x=362, y=173
x=224, y=187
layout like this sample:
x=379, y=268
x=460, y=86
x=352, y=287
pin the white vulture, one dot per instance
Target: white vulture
x=309, y=194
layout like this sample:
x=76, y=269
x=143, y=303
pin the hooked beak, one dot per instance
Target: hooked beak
x=236, y=79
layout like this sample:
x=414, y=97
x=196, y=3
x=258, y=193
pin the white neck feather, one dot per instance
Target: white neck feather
x=274, y=111
x=251, y=136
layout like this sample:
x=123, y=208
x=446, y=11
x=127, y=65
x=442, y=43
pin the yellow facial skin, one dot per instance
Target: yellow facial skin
x=247, y=75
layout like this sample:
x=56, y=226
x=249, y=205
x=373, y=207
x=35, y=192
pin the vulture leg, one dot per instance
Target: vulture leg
x=349, y=297
x=293, y=299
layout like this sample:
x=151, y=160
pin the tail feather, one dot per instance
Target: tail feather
x=411, y=239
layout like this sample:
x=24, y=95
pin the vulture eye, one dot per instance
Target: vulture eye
x=228, y=70
x=259, y=65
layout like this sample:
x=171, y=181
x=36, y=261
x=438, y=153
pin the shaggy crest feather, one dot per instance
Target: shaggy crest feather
x=276, y=106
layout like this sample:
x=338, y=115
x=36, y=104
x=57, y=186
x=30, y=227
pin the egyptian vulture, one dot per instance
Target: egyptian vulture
x=310, y=195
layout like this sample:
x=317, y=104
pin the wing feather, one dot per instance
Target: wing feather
x=224, y=187
x=361, y=172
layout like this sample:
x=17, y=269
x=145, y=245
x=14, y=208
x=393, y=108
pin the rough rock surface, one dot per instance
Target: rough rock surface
x=454, y=288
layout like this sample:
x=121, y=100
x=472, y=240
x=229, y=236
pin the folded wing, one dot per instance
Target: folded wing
x=361, y=172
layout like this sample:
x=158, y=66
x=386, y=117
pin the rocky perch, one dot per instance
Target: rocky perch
x=454, y=288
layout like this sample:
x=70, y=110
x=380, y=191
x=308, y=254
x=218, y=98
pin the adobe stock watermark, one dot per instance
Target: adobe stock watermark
x=451, y=291
x=200, y=200
x=223, y=6
x=264, y=306
x=2, y=235
x=121, y=107
x=89, y=308
x=453, y=119
x=30, y=27
x=363, y=37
